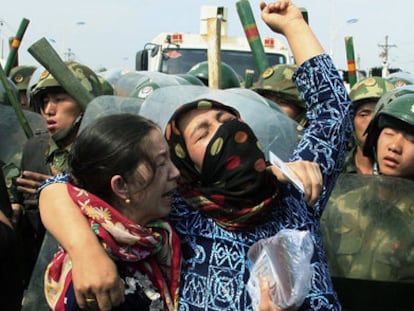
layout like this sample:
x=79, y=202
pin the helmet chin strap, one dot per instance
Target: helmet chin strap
x=65, y=133
x=376, y=170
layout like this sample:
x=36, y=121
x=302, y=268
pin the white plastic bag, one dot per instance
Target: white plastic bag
x=285, y=259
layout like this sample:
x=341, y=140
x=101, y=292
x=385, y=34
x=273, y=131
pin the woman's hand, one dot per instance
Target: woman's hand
x=266, y=303
x=279, y=14
x=308, y=173
x=96, y=282
x=286, y=18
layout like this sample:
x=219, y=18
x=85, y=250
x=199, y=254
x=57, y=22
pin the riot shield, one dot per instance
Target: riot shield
x=368, y=232
x=107, y=104
x=275, y=130
x=113, y=75
x=133, y=83
x=12, y=136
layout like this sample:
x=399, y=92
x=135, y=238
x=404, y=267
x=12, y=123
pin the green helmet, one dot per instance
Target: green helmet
x=190, y=78
x=20, y=75
x=229, y=77
x=150, y=81
x=277, y=80
x=4, y=99
x=107, y=88
x=394, y=111
x=393, y=94
x=369, y=89
x=400, y=78
x=84, y=74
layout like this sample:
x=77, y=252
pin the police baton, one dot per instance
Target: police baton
x=44, y=53
x=15, y=44
x=252, y=34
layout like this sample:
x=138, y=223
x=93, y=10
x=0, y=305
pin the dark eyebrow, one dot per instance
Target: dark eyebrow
x=201, y=125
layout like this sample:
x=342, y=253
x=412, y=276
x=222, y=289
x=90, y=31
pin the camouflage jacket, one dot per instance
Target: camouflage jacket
x=368, y=231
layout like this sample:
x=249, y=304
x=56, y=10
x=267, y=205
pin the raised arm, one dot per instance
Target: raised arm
x=94, y=273
x=286, y=19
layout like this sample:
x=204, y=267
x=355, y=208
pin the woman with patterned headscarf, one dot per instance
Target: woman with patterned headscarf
x=228, y=199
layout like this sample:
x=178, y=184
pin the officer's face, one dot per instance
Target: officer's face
x=363, y=116
x=395, y=153
x=289, y=108
x=60, y=111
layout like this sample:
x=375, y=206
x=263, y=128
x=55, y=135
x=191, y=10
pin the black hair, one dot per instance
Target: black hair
x=111, y=145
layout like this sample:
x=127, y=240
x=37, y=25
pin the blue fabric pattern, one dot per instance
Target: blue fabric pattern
x=215, y=268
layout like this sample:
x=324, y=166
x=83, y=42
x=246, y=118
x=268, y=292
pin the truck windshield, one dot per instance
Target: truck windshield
x=181, y=60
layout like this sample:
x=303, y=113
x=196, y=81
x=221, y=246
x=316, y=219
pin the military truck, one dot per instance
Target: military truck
x=177, y=52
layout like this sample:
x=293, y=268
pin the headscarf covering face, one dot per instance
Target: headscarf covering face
x=233, y=187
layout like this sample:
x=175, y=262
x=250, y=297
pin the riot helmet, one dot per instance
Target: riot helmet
x=400, y=78
x=107, y=88
x=396, y=111
x=84, y=74
x=190, y=78
x=229, y=77
x=148, y=82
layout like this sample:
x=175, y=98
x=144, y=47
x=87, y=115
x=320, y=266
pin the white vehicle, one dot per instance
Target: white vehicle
x=176, y=53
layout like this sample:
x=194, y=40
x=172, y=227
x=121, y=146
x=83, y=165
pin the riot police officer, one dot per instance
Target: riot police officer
x=20, y=75
x=276, y=84
x=46, y=154
x=364, y=95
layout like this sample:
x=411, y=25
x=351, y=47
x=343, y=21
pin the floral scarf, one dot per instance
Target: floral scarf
x=234, y=187
x=153, y=250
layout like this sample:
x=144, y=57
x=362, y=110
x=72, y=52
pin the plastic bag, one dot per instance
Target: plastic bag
x=285, y=259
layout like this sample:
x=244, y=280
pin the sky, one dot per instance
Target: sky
x=108, y=33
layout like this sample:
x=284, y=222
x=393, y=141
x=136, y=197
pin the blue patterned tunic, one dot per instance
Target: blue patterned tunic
x=215, y=265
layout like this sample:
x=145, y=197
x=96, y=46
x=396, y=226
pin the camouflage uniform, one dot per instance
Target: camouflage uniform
x=368, y=233
x=349, y=163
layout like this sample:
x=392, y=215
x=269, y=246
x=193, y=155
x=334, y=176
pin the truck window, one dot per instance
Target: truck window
x=181, y=60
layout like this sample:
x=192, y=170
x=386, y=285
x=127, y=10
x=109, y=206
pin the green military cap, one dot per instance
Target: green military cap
x=369, y=89
x=278, y=80
x=20, y=75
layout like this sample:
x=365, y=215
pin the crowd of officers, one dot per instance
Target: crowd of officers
x=383, y=145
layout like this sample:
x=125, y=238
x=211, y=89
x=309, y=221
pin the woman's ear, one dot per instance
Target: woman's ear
x=119, y=187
